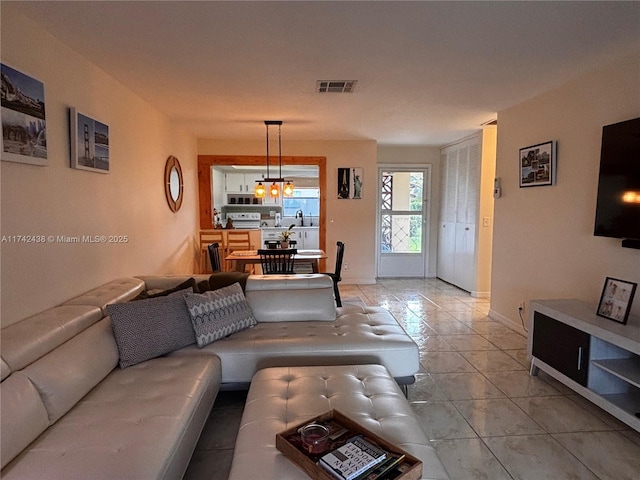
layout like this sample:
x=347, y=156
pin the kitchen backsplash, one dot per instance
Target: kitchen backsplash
x=262, y=209
x=266, y=220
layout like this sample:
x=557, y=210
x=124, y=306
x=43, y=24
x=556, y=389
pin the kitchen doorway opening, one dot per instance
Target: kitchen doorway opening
x=205, y=190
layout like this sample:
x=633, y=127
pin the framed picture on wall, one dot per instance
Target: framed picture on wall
x=89, y=143
x=350, y=183
x=24, y=126
x=616, y=299
x=538, y=165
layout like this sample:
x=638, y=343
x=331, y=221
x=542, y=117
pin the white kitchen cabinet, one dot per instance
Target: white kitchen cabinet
x=308, y=238
x=245, y=183
x=271, y=233
x=240, y=182
x=269, y=200
x=235, y=183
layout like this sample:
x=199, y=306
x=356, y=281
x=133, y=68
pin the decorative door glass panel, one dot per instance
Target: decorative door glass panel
x=401, y=204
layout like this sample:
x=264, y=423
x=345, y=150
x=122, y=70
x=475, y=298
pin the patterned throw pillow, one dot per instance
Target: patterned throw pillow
x=149, y=328
x=218, y=313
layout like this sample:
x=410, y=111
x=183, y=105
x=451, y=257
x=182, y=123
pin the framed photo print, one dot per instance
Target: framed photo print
x=616, y=299
x=89, y=143
x=350, y=183
x=538, y=165
x=24, y=126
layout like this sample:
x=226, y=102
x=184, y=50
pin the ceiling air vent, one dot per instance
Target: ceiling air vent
x=336, y=86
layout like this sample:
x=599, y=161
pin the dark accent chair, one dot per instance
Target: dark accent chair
x=277, y=260
x=335, y=276
x=214, y=257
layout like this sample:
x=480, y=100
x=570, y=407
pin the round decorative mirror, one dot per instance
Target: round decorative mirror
x=173, y=183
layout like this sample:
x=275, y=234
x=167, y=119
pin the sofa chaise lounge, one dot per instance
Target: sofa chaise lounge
x=69, y=411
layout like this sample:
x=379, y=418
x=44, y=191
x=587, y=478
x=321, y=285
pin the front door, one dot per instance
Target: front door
x=402, y=222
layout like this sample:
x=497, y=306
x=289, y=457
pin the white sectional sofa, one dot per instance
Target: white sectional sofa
x=69, y=412
x=298, y=324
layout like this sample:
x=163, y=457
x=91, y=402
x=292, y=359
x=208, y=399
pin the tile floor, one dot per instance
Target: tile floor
x=484, y=414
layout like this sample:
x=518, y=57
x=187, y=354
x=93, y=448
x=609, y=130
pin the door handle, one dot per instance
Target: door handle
x=580, y=349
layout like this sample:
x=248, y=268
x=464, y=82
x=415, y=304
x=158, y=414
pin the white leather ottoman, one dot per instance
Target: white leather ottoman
x=281, y=397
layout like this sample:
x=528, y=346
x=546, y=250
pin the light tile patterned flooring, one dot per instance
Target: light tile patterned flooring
x=485, y=416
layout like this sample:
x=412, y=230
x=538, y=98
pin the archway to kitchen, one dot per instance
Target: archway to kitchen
x=205, y=192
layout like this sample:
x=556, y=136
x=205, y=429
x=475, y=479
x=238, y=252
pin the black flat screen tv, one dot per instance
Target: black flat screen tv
x=618, y=206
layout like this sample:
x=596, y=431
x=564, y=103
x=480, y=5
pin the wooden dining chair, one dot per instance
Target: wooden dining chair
x=277, y=260
x=207, y=237
x=214, y=257
x=238, y=240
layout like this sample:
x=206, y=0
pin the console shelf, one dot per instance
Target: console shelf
x=596, y=357
x=627, y=369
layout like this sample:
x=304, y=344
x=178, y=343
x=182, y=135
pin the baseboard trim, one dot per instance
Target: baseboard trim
x=481, y=294
x=507, y=322
x=353, y=281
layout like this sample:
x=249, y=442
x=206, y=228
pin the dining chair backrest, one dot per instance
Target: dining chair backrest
x=206, y=238
x=211, y=236
x=238, y=240
x=335, y=275
x=339, y=258
x=214, y=257
x=277, y=261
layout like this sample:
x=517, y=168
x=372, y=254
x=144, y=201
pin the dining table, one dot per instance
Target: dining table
x=241, y=258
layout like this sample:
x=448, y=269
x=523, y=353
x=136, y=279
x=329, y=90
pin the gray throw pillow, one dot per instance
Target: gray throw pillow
x=218, y=313
x=149, y=328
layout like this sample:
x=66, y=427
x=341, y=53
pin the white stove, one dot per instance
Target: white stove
x=245, y=220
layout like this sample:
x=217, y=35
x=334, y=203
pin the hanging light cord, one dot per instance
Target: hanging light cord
x=268, y=176
x=280, y=150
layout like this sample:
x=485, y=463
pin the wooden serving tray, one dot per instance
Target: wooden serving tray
x=290, y=445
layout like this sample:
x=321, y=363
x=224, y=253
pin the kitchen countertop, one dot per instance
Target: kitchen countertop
x=284, y=227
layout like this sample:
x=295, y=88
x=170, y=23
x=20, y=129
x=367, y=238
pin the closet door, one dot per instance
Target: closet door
x=467, y=214
x=460, y=182
x=447, y=225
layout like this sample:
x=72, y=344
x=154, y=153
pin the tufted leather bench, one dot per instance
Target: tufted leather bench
x=281, y=397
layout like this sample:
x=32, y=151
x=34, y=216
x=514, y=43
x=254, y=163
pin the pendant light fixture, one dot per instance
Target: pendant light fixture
x=260, y=191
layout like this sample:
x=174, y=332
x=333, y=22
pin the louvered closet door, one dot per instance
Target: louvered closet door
x=447, y=225
x=459, y=211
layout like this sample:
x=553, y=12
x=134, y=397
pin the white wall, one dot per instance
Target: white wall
x=420, y=156
x=57, y=200
x=350, y=221
x=543, y=245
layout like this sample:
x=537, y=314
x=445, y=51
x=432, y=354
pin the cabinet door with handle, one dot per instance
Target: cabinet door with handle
x=312, y=239
x=562, y=347
x=234, y=183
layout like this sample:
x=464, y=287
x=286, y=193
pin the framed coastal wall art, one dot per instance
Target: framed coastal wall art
x=89, y=143
x=350, y=183
x=538, y=165
x=24, y=125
